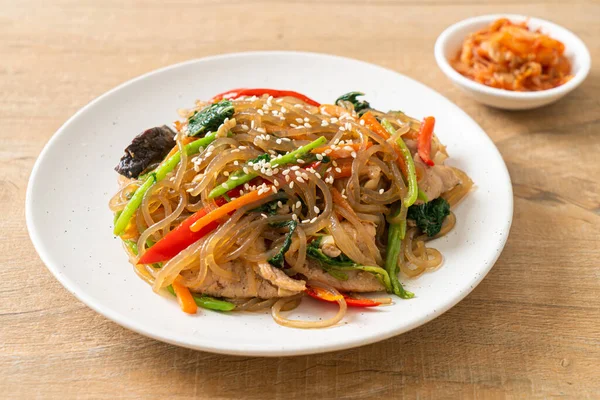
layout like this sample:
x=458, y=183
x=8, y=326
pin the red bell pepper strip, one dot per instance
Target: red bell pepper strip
x=235, y=93
x=181, y=237
x=424, y=141
x=323, y=295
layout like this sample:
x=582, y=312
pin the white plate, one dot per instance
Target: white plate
x=73, y=179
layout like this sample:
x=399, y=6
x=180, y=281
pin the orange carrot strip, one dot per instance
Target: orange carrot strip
x=372, y=123
x=184, y=297
x=227, y=208
x=345, y=168
x=341, y=201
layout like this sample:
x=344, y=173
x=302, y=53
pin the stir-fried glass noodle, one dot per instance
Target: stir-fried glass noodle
x=260, y=197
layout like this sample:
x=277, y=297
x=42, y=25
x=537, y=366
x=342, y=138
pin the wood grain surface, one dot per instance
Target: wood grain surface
x=531, y=329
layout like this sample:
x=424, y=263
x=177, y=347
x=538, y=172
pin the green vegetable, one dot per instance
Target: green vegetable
x=210, y=303
x=336, y=265
x=313, y=250
x=360, y=106
x=397, y=230
x=158, y=174
x=210, y=118
x=132, y=246
x=422, y=196
x=239, y=177
x=396, y=233
x=277, y=260
x=430, y=216
x=413, y=188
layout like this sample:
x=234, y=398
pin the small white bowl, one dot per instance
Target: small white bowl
x=450, y=41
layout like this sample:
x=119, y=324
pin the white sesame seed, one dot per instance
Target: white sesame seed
x=285, y=172
x=245, y=127
x=362, y=122
x=236, y=162
x=300, y=161
x=342, y=129
x=278, y=141
x=294, y=168
x=294, y=217
x=299, y=179
x=335, y=164
x=319, y=156
x=252, y=124
x=381, y=191
x=273, y=189
x=279, y=204
x=306, y=119
x=348, y=126
x=291, y=184
x=263, y=215
x=298, y=204
x=324, y=123
x=235, y=150
x=225, y=185
x=317, y=210
x=312, y=221
x=226, y=173
x=338, y=170
x=293, y=125
x=328, y=151
x=261, y=112
x=299, y=120
x=333, y=120
x=298, y=105
x=262, y=130
x=283, y=109
x=305, y=221
x=307, y=125
x=234, y=178
x=276, y=182
x=336, y=141
x=353, y=154
x=349, y=148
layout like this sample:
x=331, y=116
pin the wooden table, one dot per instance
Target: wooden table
x=531, y=329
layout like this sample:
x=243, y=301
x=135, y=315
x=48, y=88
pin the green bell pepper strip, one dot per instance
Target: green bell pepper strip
x=241, y=178
x=210, y=303
x=159, y=174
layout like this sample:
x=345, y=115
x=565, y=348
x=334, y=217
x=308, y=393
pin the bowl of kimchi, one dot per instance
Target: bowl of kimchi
x=512, y=62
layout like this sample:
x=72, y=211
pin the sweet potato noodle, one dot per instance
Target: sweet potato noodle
x=328, y=212
x=508, y=55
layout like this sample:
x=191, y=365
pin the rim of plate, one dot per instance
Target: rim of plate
x=220, y=347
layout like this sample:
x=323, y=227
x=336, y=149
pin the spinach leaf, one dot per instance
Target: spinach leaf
x=429, y=216
x=262, y=157
x=277, y=259
x=313, y=250
x=360, y=106
x=335, y=266
x=210, y=118
x=329, y=264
